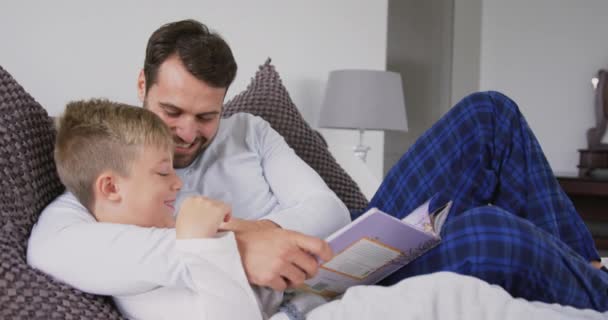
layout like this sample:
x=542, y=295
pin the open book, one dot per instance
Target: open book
x=375, y=245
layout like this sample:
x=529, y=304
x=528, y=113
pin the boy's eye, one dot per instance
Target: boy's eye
x=162, y=174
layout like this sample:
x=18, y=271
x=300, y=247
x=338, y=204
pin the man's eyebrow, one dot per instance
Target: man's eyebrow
x=169, y=105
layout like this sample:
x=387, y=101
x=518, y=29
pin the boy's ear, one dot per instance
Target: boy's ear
x=141, y=86
x=106, y=187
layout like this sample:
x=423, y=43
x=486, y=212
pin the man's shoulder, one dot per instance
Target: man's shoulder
x=243, y=118
x=243, y=126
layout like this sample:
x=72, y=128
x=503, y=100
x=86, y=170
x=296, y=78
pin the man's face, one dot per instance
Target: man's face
x=189, y=106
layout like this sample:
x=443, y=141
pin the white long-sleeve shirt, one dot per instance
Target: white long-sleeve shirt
x=221, y=288
x=248, y=165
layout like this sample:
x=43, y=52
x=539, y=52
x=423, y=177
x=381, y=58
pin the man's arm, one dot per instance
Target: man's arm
x=307, y=204
x=281, y=258
x=101, y=258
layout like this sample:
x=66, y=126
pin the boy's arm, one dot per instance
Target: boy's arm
x=101, y=258
x=220, y=281
x=222, y=288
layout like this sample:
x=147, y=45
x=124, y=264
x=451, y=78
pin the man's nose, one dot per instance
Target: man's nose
x=187, y=131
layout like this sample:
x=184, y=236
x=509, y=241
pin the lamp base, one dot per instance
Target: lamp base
x=361, y=150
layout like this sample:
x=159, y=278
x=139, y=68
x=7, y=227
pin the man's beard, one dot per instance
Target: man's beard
x=182, y=161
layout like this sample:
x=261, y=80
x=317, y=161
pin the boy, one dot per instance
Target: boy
x=117, y=161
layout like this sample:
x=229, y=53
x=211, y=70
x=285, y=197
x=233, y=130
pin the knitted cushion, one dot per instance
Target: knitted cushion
x=266, y=97
x=28, y=181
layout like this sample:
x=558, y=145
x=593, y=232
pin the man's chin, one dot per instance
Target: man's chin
x=184, y=160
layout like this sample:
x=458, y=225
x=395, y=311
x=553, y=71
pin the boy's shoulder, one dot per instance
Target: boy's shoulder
x=65, y=208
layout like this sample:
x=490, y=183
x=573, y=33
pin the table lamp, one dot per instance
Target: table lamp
x=363, y=100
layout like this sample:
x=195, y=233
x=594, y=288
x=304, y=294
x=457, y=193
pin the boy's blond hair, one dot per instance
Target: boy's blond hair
x=98, y=135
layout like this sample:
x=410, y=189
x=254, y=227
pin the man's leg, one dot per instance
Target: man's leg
x=496, y=246
x=483, y=152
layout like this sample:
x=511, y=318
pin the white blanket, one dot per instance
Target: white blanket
x=442, y=295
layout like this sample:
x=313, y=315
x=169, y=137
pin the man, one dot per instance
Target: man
x=482, y=152
x=187, y=89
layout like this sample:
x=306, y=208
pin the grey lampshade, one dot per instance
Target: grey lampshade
x=364, y=99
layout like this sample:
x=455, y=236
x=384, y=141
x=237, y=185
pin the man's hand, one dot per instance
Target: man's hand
x=200, y=217
x=279, y=258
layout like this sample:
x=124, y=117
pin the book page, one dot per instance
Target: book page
x=440, y=216
x=362, y=259
x=420, y=218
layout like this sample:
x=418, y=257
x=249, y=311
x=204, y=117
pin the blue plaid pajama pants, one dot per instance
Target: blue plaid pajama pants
x=510, y=223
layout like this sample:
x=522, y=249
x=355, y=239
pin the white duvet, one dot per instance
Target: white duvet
x=442, y=295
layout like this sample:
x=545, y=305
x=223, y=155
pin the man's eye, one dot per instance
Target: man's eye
x=206, y=119
x=172, y=114
x=162, y=174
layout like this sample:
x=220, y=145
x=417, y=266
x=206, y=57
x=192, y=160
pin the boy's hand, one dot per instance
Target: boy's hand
x=200, y=217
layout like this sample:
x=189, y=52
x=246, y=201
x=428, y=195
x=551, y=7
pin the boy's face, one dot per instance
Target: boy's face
x=148, y=194
x=189, y=106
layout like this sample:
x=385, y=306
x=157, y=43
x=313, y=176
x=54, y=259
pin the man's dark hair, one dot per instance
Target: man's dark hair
x=204, y=53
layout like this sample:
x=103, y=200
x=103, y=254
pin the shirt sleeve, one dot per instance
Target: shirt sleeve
x=103, y=258
x=220, y=291
x=306, y=203
x=223, y=291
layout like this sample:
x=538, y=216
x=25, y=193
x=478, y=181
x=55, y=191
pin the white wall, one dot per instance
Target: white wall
x=543, y=53
x=420, y=49
x=466, y=49
x=64, y=50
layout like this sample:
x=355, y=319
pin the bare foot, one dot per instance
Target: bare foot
x=596, y=264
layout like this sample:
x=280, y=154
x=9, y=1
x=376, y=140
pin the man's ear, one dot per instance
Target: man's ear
x=106, y=187
x=141, y=86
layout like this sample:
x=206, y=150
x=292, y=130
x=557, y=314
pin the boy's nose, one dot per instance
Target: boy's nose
x=177, y=185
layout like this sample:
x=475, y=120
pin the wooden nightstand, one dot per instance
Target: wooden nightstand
x=590, y=197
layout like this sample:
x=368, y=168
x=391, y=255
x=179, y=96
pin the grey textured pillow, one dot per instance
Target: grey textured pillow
x=28, y=181
x=266, y=97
